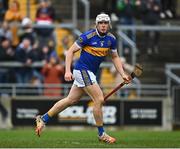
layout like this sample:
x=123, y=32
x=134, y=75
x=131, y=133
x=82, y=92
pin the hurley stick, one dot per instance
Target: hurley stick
x=136, y=73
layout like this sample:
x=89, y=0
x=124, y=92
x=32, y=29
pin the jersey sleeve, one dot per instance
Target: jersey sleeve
x=82, y=40
x=114, y=45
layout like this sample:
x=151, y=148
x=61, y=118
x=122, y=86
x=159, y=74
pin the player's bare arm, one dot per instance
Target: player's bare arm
x=118, y=65
x=69, y=57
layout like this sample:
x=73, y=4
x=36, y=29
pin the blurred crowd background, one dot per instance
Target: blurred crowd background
x=29, y=38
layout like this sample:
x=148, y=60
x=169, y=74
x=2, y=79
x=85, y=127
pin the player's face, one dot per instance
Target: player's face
x=103, y=26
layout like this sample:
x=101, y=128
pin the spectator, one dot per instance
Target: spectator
x=45, y=54
x=28, y=32
x=24, y=73
x=35, y=56
x=36, y=79
x=5, y=4
x=14, y=16
x=5, y=31
x=44, y=30
x=13, y=13
x=6, y=54
x=3, y=9
x=50, y=9
x=168, y=9
x=150, y=10
x=53, y=73
x=44, y=18
x=109, y=6
x=126, y=11
x=66, y=42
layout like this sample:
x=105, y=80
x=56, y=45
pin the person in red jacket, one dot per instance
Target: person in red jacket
x=53, y=73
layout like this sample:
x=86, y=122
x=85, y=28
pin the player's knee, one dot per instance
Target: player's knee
x=99, y=101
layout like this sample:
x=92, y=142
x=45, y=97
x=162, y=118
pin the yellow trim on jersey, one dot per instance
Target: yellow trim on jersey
x=96, y=51
x=91, y=35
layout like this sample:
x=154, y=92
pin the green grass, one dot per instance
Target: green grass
x=87, y=139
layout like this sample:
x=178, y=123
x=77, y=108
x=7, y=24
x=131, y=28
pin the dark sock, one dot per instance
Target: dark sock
x=100, y=130
x=46, y=118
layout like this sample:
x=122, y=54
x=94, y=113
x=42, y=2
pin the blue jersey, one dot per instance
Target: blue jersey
x=94, y=49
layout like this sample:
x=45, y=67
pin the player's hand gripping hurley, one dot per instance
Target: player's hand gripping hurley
x=136, y=73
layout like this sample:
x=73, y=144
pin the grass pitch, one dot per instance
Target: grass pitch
x=26, y=138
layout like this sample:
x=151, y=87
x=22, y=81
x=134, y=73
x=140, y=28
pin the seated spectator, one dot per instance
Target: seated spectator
x=53, y=73
x=24, y=73
x=14, y=16
x=5, y=31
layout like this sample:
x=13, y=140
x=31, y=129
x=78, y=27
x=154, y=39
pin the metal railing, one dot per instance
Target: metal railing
x=150, y=28
x=61, y=90
x=173, y=85
x=131, y=43
x=134, y=28
x=40, y=65
x=171, y=76
x=86, y=13
x=141, y=90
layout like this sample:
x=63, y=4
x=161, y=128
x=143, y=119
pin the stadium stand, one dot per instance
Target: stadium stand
x=168, y=53
x=155, y=63
x=32, y=6
x=61, y=34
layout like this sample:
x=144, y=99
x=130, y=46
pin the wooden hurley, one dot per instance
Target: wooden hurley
x=136, y=73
